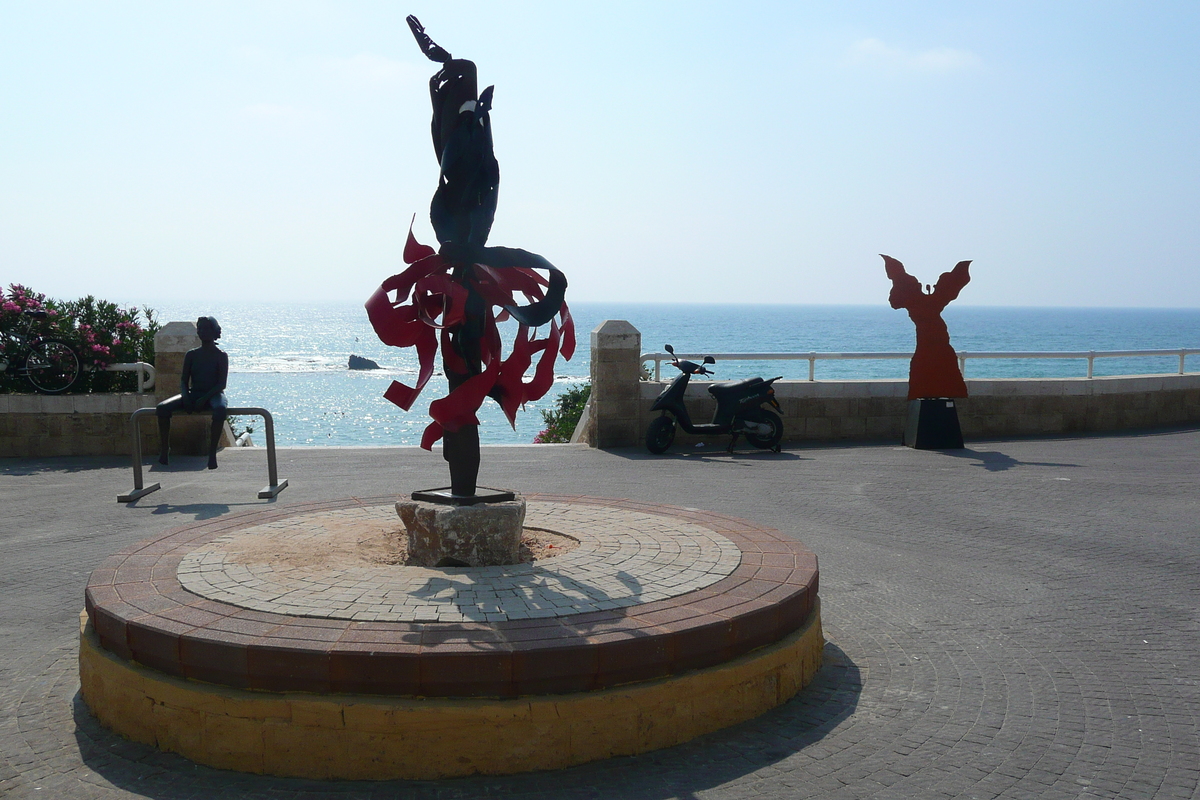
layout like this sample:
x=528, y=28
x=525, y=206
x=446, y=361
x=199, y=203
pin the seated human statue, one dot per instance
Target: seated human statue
x=201, y=388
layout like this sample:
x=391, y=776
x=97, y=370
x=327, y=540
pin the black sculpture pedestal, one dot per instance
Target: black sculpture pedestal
x=933, y=424
x=446, y=497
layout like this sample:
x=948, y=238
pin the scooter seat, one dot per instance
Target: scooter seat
x=732, y=387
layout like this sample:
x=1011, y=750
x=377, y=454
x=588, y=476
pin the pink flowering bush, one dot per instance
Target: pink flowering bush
x=101, y=332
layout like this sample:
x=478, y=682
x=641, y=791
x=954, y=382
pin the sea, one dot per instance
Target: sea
x=293, y=358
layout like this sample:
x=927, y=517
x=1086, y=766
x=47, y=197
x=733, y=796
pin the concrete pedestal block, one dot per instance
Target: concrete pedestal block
x=484, y=535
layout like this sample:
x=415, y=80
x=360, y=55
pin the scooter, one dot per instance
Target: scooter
x=738, y=411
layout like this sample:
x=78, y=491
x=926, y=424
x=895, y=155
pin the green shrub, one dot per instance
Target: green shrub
x=562, y=419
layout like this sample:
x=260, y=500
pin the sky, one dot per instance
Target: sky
x=671, y=151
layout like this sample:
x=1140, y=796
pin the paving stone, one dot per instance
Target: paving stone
x=1048, y=584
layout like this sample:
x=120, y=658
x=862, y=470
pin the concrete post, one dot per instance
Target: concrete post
x=616, y=368
x=189, y=435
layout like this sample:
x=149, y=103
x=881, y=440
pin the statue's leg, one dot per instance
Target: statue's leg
x=163, y=412
x=164, y=438
x=461, y=451
x=214, y=438
x=218, y=405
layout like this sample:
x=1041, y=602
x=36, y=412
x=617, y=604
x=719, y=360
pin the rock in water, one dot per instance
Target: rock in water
x=358, y=362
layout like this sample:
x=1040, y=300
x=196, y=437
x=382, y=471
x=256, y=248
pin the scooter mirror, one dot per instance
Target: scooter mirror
x=709, y=360
x=669, y=349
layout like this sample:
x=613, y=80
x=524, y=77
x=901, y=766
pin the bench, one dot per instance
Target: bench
x=140, y=490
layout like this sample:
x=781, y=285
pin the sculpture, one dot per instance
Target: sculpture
x=934, y=370
x=456, y=296
x=201, y=387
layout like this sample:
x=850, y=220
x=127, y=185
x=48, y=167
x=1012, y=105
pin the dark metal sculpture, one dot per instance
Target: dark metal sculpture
x=455, y=296
x=934, y=369
x=201, y=388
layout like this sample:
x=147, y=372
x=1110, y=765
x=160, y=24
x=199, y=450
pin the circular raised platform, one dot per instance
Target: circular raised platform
x=664, y=623
x=305, y=566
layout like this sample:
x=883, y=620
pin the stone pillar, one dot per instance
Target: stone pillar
x=189, y=435
x=616, y=369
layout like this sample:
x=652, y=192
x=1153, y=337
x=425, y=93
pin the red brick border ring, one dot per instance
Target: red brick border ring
x=144, y=624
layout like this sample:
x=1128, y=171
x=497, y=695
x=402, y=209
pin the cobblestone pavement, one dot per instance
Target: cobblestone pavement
x=1018, y=619
x=625, y=558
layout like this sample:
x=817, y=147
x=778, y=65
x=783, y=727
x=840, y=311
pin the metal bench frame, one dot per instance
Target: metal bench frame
x=140, y=490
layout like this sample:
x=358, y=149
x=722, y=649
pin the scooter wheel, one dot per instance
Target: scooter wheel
x=767, y=441
x=660, y=434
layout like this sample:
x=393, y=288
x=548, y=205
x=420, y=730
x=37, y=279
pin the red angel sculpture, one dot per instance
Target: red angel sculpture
x=934, y=369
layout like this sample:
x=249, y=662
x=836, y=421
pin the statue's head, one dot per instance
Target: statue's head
x=208, y=329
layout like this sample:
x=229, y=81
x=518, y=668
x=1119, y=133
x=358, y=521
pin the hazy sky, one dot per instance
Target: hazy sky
x=687, y=151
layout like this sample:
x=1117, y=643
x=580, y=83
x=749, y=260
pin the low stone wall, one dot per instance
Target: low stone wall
x=876, y=410
x=35, y=425
x=1073, y=405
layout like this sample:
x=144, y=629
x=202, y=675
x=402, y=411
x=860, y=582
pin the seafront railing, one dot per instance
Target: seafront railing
x=963, y=357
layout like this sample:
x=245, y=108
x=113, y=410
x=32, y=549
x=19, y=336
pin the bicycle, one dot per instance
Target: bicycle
x=49, y=365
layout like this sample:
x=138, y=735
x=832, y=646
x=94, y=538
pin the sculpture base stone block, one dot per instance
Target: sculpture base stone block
x=933, y=424
x=482, y=535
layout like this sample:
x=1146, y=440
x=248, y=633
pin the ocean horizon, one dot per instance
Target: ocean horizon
x=292, y=358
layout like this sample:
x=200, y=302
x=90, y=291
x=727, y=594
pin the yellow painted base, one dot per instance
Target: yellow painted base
x=345, y=736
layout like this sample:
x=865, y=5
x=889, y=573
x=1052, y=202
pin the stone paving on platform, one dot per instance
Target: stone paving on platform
x=625, y=558
x=1017, y=619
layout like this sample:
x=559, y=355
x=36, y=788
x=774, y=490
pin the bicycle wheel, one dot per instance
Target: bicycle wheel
x=52, y=366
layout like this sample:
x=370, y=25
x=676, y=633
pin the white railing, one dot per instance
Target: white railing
x=813, y=358
x=145, y=373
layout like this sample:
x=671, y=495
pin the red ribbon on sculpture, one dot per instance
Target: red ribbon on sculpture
x=411, y=308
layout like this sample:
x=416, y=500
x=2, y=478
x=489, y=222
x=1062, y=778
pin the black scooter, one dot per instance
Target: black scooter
x=738, y=410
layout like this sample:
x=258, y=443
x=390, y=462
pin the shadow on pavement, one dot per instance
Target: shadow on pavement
x=994, y=461
x=178, y=464
x=681, y=771
x=706, y=453
x=197, y=511
x=66, y=464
